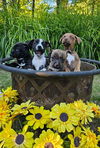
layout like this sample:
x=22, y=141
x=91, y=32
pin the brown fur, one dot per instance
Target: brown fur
x=49, y=145
x=57, y=57
x=69, y=40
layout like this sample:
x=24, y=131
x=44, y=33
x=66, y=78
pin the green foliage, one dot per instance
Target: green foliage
x=20, y=27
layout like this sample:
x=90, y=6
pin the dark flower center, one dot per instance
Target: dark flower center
x=19, y=139
x=49, y=145
x=63, y=117
x=38, y=116
x=24, y=107
x=77, y=141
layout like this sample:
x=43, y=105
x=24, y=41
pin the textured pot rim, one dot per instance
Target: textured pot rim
x=47, y=74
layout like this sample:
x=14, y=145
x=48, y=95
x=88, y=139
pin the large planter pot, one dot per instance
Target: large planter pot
x=50, y=88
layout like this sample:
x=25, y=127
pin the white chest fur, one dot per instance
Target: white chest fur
x=37, y=62
x=70, y=58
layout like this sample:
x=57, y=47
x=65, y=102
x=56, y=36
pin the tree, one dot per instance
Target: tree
x=58, y=2
x=92, y=5
x=61, y=3
x=33, y=7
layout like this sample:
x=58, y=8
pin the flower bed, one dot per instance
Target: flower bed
x=64, y=125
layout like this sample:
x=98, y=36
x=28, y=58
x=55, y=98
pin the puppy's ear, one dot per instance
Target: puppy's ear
x=60, y=41
x=26, y=46
x=30, y=43
x=78, y=39
x=48, y=44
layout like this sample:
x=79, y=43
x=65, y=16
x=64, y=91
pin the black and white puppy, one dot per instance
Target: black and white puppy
x=21, y=52
x=39, y=60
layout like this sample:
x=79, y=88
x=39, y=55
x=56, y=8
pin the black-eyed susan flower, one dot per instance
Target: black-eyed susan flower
x=6, y=133
x=23, y=108
x=89, y=138
x=95, y=108
x=75, y=138
x=20, y=140
x=39, y=117
x=63, y=117
x=4, y=113
x=83, y=111
x=10, y=95
x=48, y=139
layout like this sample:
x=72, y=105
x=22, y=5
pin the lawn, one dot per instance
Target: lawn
x=5, y=80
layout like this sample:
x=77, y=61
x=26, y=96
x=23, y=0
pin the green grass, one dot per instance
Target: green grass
x=5, y=81
x=96, y=89
x=51, y=26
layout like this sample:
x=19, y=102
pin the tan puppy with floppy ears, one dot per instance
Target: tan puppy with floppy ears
x=57, y=60
x=72, y=59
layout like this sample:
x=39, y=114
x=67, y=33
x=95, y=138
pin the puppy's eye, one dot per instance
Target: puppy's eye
x=61, y=59
x=25, y=46
x=72, y=37
x=52, y=58
x=36, y=41
x=43, y=43
x=17, y=50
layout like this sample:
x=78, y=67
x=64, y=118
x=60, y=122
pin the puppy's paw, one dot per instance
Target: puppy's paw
x=30, y=69
x=44, y=69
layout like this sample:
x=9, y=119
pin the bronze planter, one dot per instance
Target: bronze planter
x=50, y=88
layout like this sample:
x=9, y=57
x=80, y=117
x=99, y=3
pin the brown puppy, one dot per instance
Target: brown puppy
x=73, y=60
x=57, y=60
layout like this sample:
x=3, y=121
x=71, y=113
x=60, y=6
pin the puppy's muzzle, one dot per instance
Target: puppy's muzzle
x=66, y=44
x=56, y=65
x=39, y=48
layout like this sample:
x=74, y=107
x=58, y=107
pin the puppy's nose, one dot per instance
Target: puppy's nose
x=56, y=65
x=66, y=43
x=39, y=47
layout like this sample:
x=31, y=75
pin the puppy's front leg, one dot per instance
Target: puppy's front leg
x=67, y=69
x=77, y=67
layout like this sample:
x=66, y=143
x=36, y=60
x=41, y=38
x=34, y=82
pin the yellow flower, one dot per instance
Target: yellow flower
x=75, y=138
x=23, y=108
x=6, y=133
x=4, y=113
x=95, y=108
x=50, y=124
x=98, y=129
x=64, y=117
x=20, y=140
x=89, y=138
x=83, y=111
x=3, y=105
x=98, y=138
x=39, y=117
x=10, y=95
x=48, y=139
